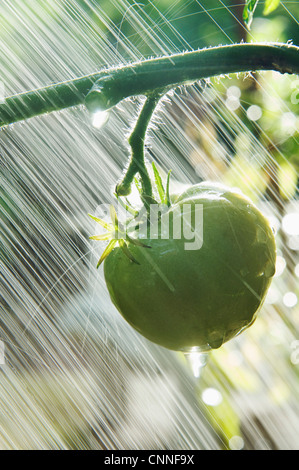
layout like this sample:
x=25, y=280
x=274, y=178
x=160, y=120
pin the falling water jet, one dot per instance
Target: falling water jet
x=197, y=359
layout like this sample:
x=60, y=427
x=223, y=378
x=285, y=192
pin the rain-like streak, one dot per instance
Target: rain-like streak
x=75, y=374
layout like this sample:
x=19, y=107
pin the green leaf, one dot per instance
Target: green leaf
x=248, y=12
x=270, y=5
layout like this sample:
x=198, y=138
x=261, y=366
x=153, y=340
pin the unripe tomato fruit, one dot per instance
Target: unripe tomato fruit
x=201, y=298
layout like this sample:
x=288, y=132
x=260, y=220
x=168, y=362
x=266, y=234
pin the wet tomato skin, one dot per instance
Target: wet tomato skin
x=182, y=298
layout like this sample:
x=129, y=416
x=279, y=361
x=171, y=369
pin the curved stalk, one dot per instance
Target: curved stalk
x=137, y=163
x=142, y=78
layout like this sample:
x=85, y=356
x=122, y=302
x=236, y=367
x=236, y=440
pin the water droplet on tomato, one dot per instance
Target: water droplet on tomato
x=269, y=270
x=216, y=339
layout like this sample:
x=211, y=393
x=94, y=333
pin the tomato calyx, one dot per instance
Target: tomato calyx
x=117, y=233
x=164, y=194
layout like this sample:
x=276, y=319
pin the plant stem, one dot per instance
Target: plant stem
x=142, y=78
x=136, y=141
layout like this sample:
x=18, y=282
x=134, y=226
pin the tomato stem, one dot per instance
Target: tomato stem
x=137, y=161
x=151, y=78
x=103, y=90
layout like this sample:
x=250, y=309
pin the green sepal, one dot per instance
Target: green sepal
x=101, y=222
x=137, y=242
x=126, y=205
x=167, y=195
x=104, y=236
x=107, y=251
x=159, y=184
x=138, y=185
x=114, y=217
x=124, y=247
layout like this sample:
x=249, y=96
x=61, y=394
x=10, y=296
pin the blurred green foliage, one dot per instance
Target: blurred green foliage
x=196, y=24
x=208, y=23
x=263, y=162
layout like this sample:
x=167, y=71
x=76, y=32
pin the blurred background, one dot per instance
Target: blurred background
x=73, y=374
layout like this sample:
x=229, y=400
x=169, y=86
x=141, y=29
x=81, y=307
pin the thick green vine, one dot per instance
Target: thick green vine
x=152, y=78
x=142, y=78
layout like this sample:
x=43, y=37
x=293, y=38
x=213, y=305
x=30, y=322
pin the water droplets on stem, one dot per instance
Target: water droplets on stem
x=99, y=119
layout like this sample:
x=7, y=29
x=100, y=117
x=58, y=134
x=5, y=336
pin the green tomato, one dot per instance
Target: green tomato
x=183, y=298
